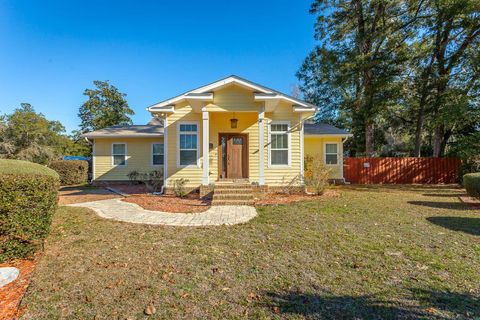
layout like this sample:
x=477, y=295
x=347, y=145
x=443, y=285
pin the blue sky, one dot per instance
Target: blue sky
x=50, y=51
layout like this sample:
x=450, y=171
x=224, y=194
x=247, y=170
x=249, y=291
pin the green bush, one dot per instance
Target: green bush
x=71, y=171
x=179, y=187
x=471, y=181
x=28, y=199
x=316, y=174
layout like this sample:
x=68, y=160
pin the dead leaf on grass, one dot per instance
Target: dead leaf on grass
x=149, y=310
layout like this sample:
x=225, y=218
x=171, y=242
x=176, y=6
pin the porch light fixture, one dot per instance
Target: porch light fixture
x=233, y=122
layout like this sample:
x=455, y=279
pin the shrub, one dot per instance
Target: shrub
x=28, y=199
x=133, y=176
x=316, y=175
x=179, y=187
x=471, y=181
x=71, y=171
x=290, y=186
x=155, y=181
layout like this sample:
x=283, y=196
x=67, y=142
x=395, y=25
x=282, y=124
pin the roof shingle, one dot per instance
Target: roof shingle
x=323, y=128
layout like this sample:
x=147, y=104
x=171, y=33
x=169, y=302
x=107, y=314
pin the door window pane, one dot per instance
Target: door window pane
x=238, y=140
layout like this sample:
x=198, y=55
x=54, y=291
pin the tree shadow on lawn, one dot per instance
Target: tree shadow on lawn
x=443, y=205
x=403, y=187
x=464, y=224
x=433, y=305
x=446, y=195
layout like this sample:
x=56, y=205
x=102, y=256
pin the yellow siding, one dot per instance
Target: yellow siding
x=139, y=157
x=233, y=98
x=278, y=175
x=314, y=146
x=183, y=112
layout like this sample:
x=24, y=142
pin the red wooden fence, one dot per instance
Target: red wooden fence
x=401, y=170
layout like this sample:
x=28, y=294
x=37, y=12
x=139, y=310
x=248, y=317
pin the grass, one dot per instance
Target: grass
x=372, y=253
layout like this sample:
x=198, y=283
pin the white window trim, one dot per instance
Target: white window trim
x=325, y=154
x=289, y=135
x=198, y=144
x=126, y=155
x=152, y=154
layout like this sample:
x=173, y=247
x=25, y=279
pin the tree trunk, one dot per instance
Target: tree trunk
x=437, y=141
x=421, y=111
x=369, y=139
x=418, y=131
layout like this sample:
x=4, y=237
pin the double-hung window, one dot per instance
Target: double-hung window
x=331, y=153
x=188, y=144
x=157, y=154
x=279, y=144
x=119, y=154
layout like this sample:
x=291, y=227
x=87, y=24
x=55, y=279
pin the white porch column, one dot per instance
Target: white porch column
x=205, y=145
x=165, y=151
x=302, y=149
x=261, y=145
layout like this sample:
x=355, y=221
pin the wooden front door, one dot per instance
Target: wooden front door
x=233, y=156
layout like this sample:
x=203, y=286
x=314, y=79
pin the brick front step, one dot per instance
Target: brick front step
x=232, y=203
x=232, y=187
x=232, y=196
x=233, y=191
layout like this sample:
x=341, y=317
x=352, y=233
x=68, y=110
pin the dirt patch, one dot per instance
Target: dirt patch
x=12, y=293
x=78, y=194
x=280, y=198
x=471, y=201
x=190, y=204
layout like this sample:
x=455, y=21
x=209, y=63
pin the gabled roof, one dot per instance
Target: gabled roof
x=127, y=131
x=313, y=129
x=205, y=92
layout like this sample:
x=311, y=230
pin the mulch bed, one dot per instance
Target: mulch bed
x=12, y=293
x=69, y=195
x=131, y=189
x=189, y=204
x=470, y=200
x=281, y=198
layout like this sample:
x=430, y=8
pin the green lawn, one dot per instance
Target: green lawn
x=372, y=253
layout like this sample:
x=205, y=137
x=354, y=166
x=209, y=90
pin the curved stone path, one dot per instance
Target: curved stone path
x=119, y=210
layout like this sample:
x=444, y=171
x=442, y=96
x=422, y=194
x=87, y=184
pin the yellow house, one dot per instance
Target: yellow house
x=232, y=129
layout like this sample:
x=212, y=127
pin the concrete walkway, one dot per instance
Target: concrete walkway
x=119, y=210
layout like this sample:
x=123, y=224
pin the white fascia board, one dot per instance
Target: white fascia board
x=153, y=135
x=227, y=81
x=297, y=103
x=304, y=109
x=165, y=109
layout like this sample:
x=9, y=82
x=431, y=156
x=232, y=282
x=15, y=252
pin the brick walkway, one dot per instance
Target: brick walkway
x=119, y=210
